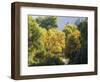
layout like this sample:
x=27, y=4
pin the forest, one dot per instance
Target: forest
x=47, y=45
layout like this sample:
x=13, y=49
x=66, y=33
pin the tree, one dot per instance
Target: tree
x=69, y=28
x=35, y=39
x=72, y=42
x=84, y=30
x=83, y=27
x=54, y=41
x=47, y=22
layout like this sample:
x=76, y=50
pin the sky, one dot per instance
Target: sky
x=62, y=20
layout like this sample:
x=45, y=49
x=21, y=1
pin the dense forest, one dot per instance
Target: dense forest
x=49, y=46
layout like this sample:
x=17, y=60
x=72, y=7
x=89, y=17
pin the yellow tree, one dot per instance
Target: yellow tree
x=54, y=40
x=72, y=41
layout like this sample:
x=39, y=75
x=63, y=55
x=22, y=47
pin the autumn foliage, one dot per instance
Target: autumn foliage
x=49, y=46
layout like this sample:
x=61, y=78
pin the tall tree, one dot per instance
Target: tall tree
x=35, y=38
x=83, y=27
x=72, y=42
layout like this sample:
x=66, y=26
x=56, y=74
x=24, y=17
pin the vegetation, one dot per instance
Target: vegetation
x=49, y=46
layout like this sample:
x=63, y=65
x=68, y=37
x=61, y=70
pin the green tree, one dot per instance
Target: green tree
x=72, y=42
x=83, y=27
x=35, y=38
x=47, y=21
x=69, y=28
x=84, y=30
